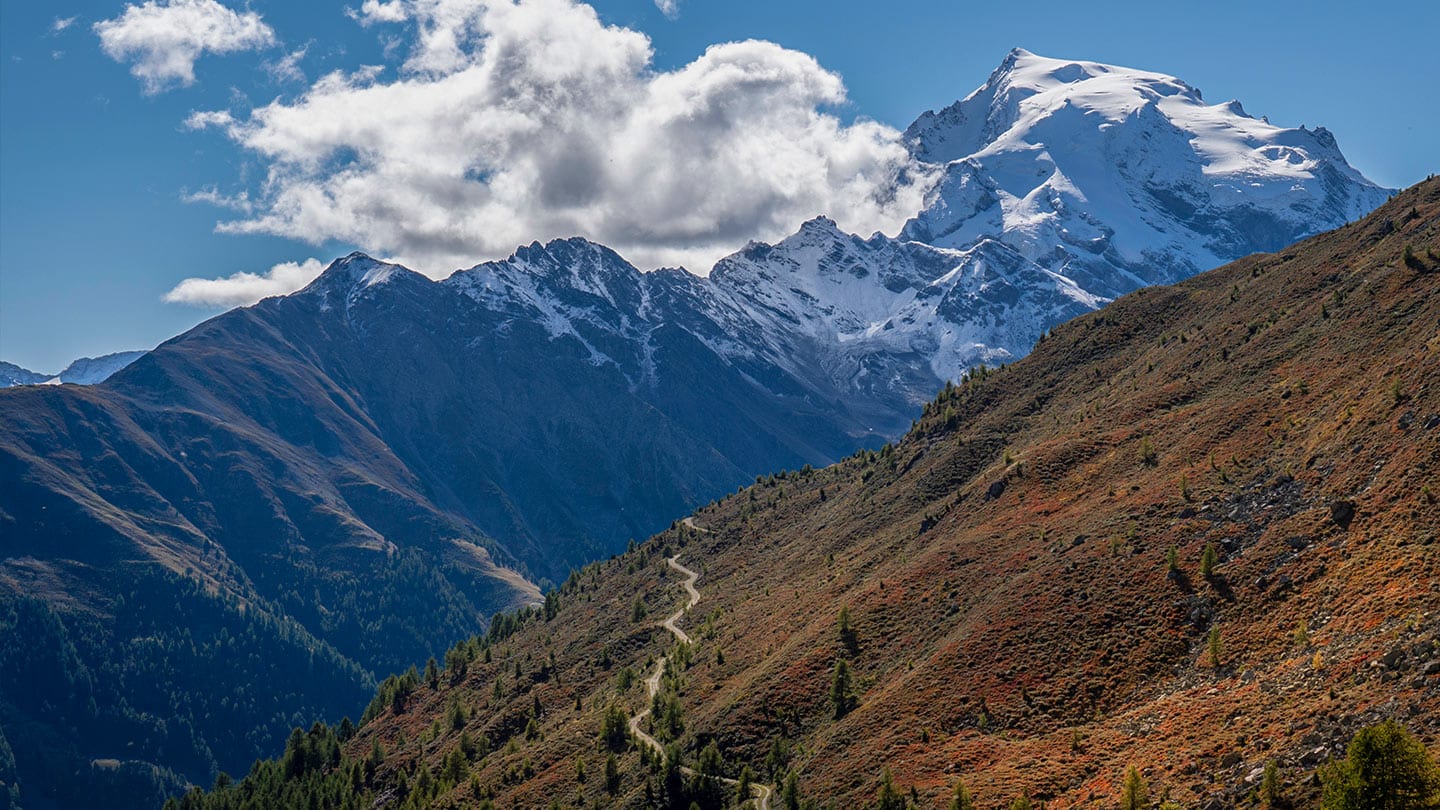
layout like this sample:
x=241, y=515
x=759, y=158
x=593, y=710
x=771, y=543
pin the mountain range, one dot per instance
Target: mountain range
x=84, y=371
x=1184, y=548
x=361, y=472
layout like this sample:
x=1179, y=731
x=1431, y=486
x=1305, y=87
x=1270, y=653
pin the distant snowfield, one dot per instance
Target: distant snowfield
x=84, y=371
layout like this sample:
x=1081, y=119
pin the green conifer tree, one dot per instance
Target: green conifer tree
x=1385, y=768
x=1134, y=793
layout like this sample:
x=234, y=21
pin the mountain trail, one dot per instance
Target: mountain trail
x=761, y=793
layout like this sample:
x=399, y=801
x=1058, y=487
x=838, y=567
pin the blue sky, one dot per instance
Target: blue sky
x=96, y=165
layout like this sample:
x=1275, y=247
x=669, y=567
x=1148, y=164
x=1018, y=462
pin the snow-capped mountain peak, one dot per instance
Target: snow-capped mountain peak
x=872, y=308
x=1115, y=178
x=351, y=276
x=1027, y=89
x=354, y=272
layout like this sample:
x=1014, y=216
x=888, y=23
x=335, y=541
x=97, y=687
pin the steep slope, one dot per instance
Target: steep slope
x=1011, y=619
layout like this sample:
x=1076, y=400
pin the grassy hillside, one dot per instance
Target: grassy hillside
x=1193, y=533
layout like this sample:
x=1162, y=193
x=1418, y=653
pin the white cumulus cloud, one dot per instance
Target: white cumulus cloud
x=242, y=289
x=517, y=120
x=161, y=39
x=376, y=11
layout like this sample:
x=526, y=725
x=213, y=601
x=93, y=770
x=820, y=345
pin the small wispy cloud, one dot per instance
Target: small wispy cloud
x=161, y=39
x=61, y=23
x=213, y=196
x=287, y=67
x=209, y=118
x=243, y=289
x=670, y=8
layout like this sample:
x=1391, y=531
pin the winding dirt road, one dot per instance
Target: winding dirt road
x=761, y=793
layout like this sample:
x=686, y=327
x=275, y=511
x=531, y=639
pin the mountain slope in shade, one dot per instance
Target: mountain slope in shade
x=1013, y=622
x=329, y=476
x=12, y=375
x=84, y=371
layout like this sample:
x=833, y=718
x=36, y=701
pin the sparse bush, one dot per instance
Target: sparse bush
x=960, y=798
x=888, y=797
x=1214, y=647
x=1270, y=785
x=1172, y=559
x=1397, y=392
x=1148, y=456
